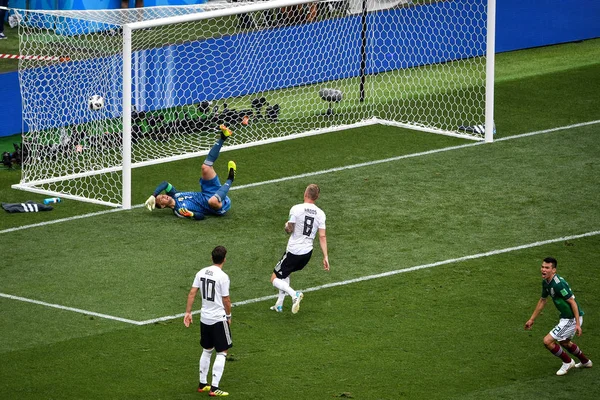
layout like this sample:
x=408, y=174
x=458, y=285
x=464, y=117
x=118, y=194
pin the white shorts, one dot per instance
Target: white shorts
x=565, y=330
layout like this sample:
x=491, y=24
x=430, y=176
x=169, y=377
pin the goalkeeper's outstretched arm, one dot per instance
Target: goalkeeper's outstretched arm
x=167, y=187
x=164, y=185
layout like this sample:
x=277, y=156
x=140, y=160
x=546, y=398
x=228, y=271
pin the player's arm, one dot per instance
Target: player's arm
x=164, y=185
x=323, y=243
x=187, y=318
x=538, y=309
x=289, y=227
x=573, y=304
x=227, y=306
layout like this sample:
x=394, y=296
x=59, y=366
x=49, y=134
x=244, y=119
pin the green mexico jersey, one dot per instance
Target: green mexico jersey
x=560, y=292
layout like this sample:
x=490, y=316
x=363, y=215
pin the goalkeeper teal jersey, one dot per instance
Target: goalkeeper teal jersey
x=560, y=292
x=195, y=202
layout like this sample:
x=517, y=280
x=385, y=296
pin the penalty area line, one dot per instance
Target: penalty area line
x=312, y=289
x=72, y=309
x=454, y=260
x=56, y=221
x=395, y=272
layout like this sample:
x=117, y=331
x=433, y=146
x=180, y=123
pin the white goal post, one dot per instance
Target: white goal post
x=105, y=91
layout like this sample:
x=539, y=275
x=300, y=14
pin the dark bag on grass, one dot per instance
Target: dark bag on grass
x=28, y=206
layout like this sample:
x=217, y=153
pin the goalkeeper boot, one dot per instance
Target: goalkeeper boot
x=225, y=132
x=232, y=168
x=297, y=300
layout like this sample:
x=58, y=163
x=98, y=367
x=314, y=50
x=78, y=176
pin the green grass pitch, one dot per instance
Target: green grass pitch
x=450, y=330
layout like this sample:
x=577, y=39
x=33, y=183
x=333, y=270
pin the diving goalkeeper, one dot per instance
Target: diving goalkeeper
x=195, y=205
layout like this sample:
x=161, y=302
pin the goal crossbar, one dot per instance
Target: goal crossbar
x=224, y=12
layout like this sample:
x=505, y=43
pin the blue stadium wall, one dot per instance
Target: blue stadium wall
x=519, y=25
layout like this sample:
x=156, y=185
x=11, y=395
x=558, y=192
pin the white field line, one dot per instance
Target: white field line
x=395, y=272
x=322, y=172
x=77, y=310
x=56, y=221
x=313, y=289
x=166, y=318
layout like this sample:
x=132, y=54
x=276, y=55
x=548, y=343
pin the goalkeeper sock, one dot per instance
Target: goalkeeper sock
x=213, y=154
x=222, y=192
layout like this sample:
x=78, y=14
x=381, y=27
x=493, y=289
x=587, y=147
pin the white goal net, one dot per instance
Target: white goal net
x=106, y=91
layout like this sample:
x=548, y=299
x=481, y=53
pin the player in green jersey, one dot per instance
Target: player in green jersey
x=571, y=318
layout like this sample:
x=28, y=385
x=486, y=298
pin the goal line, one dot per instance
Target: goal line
x=283, y=179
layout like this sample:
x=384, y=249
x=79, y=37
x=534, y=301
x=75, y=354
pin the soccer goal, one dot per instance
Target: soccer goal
x=106, y=91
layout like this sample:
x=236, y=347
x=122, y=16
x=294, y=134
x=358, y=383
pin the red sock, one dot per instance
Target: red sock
x=558, y=352
x=574, y=349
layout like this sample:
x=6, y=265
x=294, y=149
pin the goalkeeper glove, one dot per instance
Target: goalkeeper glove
x=184, y=212
x=150, y=203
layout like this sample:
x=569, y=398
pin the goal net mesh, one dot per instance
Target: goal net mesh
x=268, y=74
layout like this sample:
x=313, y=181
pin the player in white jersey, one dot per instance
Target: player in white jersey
x=215, y=318
x=303, y=224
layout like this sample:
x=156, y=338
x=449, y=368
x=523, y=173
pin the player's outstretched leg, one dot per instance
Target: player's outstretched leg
x=224, y=189
x=225, y=132
x=214, y=152
x=232, y=170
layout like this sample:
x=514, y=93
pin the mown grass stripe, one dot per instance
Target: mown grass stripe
x=322, y=172
x=395, y=272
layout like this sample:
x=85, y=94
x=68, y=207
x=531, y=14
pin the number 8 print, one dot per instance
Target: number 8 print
x=309, y=222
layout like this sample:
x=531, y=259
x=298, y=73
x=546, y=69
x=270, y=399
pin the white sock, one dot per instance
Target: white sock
x=284, y=286
x=282, y=294
x=205, y=365
x=218, y=367
x=280, y=298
